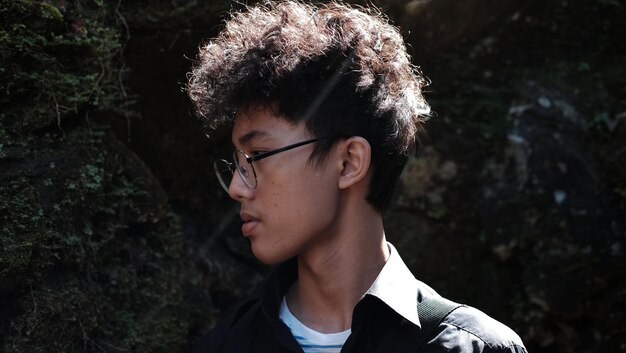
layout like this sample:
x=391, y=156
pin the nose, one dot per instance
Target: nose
x=237, y=189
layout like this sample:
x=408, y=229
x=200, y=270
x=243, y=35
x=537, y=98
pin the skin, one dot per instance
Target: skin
x=319, y=215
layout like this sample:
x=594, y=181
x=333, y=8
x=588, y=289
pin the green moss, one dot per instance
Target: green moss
x=90, y=255
x=438, y=211
x=57, y=60
x=21, y=218
x=98, y=259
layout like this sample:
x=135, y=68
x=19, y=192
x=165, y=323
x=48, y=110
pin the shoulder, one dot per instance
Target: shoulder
x=216, y=339
x=468, y=329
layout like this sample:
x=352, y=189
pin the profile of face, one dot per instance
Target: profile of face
x=294, y=205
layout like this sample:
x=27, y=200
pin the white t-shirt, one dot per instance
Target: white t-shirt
x=310, y=340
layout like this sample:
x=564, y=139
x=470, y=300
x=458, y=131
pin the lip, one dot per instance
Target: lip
x=249, y=223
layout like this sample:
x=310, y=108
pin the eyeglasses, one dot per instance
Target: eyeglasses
x=243, y=163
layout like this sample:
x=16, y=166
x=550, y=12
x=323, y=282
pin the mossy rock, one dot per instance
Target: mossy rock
x=58, y=57
x=91, y=256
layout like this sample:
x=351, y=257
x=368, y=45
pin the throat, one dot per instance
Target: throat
x=318, y=313
x=332, y=279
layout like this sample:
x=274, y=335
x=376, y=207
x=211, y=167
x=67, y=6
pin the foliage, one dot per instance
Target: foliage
x=58, y=57
x=90, y=254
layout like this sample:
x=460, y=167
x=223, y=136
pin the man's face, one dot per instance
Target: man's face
x=294, y=205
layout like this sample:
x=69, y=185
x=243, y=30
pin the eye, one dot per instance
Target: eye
x=243, y=170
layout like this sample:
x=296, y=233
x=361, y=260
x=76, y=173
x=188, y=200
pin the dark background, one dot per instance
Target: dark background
x=114, y=235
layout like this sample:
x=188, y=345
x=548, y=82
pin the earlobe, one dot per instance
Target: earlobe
x=356, y=158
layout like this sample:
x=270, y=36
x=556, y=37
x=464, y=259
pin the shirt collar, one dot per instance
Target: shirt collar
x=397, y=287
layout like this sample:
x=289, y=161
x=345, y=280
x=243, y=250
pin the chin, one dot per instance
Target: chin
x=269, y=256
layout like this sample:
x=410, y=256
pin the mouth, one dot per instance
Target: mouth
x=249, y=223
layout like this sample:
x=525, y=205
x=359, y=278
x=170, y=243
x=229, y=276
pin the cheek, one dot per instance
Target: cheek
x=315, y=199
x=294, y=206
x=296, y=195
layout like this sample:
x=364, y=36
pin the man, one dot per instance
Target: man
x=324, y=107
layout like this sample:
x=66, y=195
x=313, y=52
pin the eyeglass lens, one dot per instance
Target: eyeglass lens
x=225, y=170
x=246, y=170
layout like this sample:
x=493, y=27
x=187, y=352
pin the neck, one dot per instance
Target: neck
x=335, y=273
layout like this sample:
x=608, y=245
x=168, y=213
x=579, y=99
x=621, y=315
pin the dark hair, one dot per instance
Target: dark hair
x=343, y=71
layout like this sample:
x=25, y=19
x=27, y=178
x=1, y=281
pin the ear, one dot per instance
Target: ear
x=356, y=157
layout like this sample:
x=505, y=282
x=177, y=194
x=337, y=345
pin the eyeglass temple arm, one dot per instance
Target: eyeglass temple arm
x=282, y=149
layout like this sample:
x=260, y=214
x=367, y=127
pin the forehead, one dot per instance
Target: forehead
x=262, y=124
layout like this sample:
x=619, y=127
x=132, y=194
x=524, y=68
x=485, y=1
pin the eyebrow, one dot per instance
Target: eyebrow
x=254, y=134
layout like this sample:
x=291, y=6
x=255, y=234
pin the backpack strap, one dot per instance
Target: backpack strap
x=431, y=312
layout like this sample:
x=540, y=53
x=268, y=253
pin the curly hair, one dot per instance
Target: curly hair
x=343, y=71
